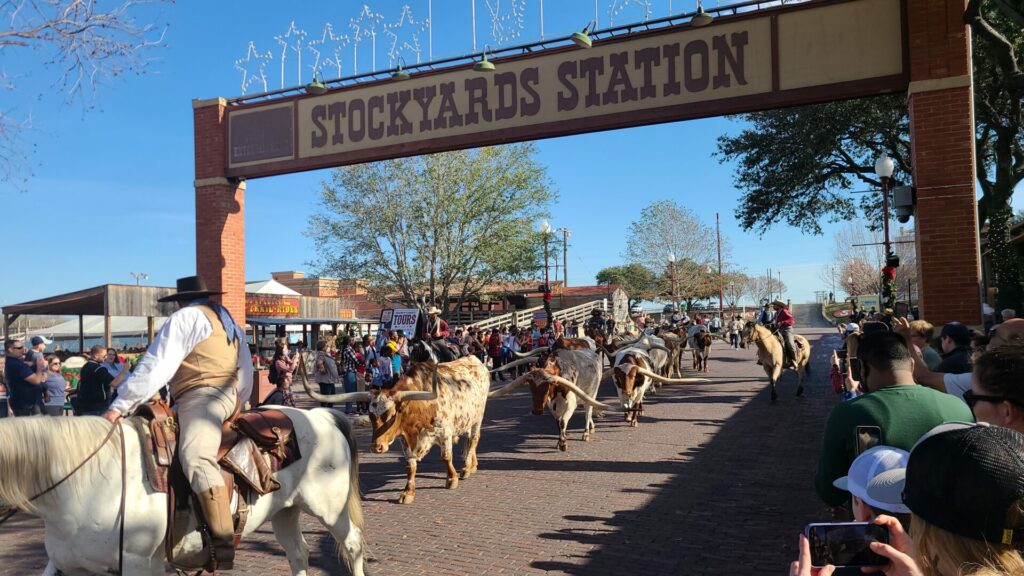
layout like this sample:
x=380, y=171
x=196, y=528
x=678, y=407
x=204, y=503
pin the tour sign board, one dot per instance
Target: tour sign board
x=271, y=307
x=811, y=52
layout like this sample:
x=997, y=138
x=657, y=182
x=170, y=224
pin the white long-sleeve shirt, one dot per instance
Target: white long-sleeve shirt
x=182, y=332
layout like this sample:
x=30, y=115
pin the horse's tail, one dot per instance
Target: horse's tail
x=354, y=505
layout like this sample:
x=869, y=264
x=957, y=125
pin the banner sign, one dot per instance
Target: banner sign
x=769, y=58
x=271, y=306
x=347, y=314
x=540, y=318
x=405, y=319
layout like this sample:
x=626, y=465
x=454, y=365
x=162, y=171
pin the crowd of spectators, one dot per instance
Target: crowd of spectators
x=928, y=442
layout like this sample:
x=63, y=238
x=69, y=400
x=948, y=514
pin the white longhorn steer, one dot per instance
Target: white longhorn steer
x=564, y=378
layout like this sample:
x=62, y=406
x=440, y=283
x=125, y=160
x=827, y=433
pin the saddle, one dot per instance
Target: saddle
x=254, y=445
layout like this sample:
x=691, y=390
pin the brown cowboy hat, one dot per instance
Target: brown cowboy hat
x=779, y=303
x=190, y=288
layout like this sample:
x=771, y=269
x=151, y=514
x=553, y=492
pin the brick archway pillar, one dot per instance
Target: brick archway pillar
x=220, y=209
x=942, y=143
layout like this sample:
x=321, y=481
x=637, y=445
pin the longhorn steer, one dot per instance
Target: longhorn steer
x=701, y=344
x=431, y=404
x=561, y=380
x=633, y=377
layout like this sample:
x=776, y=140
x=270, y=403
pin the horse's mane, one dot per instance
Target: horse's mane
x=35, y=453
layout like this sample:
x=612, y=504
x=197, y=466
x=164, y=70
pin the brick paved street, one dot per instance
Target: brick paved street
x=714, y=481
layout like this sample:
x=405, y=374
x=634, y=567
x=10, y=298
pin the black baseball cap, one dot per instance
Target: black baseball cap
x=968, y=479
x=958, y=333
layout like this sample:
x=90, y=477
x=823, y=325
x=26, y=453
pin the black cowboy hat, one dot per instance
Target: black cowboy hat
x=190, y=288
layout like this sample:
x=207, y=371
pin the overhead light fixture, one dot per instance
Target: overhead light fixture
x=316, y=87
x=701, y=18
x=582, y=39
x=484, y=65
x=400, y=73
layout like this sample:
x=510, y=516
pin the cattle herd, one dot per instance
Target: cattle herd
x=437, y=404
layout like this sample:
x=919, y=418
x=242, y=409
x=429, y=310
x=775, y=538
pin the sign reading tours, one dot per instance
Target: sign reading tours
x=751, y=61
x=271, y=307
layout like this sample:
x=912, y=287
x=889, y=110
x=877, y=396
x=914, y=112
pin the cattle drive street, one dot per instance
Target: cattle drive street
x=714, y=480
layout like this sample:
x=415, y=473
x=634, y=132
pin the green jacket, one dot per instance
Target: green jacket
x=904, y=413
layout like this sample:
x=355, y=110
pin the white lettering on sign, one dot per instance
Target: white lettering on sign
x=405, y=319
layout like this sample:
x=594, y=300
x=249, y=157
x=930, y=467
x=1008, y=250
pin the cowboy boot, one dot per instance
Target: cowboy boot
x=216, y=506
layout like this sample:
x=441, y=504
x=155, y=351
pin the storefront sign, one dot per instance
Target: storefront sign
x=765, y=59
x=271, y=306
x=347, y=314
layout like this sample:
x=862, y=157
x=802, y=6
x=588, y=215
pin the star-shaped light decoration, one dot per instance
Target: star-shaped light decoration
x=404, y=36
x=253, y=68
x=618, y=6
x=327, y=52
x=507, y=25
x=293, y=40
x=365, y=26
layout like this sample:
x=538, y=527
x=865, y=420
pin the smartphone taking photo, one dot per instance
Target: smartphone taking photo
x=846, y=544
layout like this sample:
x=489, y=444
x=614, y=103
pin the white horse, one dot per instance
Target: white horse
x=82, y=517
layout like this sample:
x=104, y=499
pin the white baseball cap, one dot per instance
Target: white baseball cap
x=852, y=327
x=868, y=466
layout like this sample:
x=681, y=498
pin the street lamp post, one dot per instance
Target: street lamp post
x=672, y=278
x=545, y=229
x=884, y=168
x=139, y=276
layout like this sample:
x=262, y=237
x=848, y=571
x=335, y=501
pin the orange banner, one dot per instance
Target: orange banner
x=271, y=306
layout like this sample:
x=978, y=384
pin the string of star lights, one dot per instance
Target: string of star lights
x=404, y=36
x=329, y=50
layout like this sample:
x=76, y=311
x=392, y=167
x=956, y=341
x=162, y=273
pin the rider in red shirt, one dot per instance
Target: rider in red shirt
x=435, y=328
x=784, y=321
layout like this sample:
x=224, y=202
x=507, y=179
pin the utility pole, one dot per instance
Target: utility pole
x=721, y=291
x=565, y=255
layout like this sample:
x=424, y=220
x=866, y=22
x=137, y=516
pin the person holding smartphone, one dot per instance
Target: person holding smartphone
x=901, y=410
x=963, y=485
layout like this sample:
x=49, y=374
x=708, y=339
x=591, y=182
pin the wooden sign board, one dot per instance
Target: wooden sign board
x=798, y=54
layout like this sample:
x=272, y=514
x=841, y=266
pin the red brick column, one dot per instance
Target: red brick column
x=942, y=141
x=220, y=209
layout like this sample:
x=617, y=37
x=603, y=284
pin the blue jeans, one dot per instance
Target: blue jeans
x=350, y=386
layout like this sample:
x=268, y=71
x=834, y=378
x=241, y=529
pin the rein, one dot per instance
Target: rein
x=124, y=475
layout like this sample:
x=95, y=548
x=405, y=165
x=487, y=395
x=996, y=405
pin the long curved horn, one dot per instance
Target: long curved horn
x=514, y=364
x=531, y=353
x=659, y=347
x=576, y=389
x=410, y=395
x=328, y=398
x=508, y=388
x=666, y=380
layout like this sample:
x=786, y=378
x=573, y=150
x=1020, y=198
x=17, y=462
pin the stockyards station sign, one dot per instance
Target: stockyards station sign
x=812, y=52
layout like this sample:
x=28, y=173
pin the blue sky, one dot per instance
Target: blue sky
x=112, y=187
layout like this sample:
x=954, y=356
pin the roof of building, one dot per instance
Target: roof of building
x=269, y=287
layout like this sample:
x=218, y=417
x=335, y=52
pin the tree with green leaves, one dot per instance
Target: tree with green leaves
x=434, y=229
x=639, y=282
x=800, y=166
x=667, y=230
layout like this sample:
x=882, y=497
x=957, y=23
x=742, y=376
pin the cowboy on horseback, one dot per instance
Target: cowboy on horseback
x=435, y=328
x=202, y=356
x=784, y=323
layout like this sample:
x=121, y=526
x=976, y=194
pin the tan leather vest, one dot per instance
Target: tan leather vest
x=212, y=363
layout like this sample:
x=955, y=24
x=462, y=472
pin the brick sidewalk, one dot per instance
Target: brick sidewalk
x=715, y=480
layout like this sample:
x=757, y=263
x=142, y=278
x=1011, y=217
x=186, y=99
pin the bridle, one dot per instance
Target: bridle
x=124, y=476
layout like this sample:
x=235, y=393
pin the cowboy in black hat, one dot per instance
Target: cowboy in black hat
x=202, y=356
